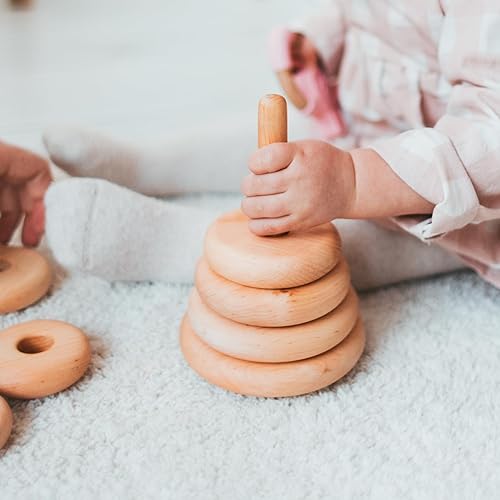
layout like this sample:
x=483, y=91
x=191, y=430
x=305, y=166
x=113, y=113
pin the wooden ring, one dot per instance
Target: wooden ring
x=282, y=261
x=41, y=357
x=272, y=308
x=273, y=345
x=25, y=277
x=272, y=380
x=294, y=94
x=6, y=421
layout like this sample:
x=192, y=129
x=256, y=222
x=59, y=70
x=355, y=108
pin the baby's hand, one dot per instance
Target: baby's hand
x=297, y=185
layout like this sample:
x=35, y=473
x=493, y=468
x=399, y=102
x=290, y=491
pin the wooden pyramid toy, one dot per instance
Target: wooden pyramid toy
x=272, y=316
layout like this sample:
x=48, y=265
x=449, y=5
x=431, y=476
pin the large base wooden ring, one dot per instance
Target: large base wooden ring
x=5, y=422
x=283, y=261
x=273, y=345
x=39, y=358
x=272, y=380
x=25, y=277
x=261, y=307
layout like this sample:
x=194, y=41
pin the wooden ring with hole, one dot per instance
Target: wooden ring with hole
x=41, y=357
x=271, y=380
x=6, y=421
x=273, y=345
x=283, y=261
x=272, y=308
x=294, y=94
x=25, y=277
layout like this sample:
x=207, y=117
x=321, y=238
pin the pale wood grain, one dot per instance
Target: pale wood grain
x=272, y=379
x=25, y=277
x=56, y=355
x=294, y=94
x=272, y=120
x=272, y=308
x=283, y=261
x=273, y=345
x=6, y=421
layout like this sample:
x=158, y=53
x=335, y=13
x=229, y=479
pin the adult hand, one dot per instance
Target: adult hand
x=24, y=178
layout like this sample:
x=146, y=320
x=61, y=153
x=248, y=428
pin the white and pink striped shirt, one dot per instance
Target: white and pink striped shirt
x=419, y=82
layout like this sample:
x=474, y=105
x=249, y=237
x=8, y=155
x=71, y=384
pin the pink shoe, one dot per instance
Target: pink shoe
x=308, y=88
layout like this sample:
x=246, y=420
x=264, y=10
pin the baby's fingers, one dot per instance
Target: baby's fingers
x=270, y=227
x=272, y=158
x=265, y=184
x=265, y=207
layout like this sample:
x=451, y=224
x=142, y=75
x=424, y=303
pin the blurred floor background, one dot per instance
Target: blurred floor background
x=134, y=68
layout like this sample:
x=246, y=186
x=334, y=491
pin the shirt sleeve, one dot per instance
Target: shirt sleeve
x=326, y=29
x=456, y=164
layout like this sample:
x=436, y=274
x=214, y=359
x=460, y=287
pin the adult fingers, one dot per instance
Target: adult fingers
x=8, y=223
x=34, y=190
x=32, y=204
x=10, y=213
x=34, y=225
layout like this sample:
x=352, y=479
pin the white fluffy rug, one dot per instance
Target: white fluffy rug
x=418, y=418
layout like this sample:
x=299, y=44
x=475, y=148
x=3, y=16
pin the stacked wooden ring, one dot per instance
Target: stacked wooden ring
x=272, y=316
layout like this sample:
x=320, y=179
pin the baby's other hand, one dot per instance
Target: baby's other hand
x=297, y=185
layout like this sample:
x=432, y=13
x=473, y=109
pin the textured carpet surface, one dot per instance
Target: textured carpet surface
x=419, y=417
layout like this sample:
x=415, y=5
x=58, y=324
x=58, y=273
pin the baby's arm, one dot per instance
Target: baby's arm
x=449, y=171
x=380, y=192
x=299, y=185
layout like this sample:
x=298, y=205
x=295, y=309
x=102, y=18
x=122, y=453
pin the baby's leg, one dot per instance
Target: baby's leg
x=208, y=157
x=378, y=256
x=98, y=227
x=115, y=233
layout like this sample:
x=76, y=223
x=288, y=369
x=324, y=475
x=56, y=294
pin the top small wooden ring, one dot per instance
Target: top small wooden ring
x=284, y=261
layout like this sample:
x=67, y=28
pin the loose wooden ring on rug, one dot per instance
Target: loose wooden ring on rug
x=283, y=261
x=25, y=277
x=41, y=357
x=290, y=88
x=272, y=308
x=273, y=345
x=272, y=379
x=5, y=422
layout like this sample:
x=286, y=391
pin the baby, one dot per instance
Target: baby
x=419, y=88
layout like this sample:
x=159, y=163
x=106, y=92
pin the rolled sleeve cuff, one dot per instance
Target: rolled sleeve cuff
x=427, y=161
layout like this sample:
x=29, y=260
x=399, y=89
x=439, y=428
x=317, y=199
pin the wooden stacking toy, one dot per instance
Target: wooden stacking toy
x=272, y=316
